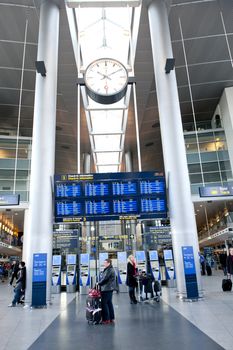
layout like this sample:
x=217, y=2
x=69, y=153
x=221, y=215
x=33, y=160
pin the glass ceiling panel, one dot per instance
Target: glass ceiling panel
x=106, y=121
x=104, y=33
x=107, y=142
x=107, y=158
x=108, y=169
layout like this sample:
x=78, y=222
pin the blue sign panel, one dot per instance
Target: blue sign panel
x=9, y=199
x=216, y=191
x=39, y=267
x=39, y=278
x=190, y=272
x=114, y=196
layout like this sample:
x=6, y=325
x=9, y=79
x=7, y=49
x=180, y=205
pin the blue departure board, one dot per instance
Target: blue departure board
x=68, y=190
x=96, y=189
x=97, y=207
x=152, y=205
x=124, y=188
x=68, y=208
x=109, y=196
x=125, y=206
x=152, y=186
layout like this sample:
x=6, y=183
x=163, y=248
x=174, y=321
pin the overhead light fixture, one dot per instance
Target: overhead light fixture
x=40, y=68
x=170, y=64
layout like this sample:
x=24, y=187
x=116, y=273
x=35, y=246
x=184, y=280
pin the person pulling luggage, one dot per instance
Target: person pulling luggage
x=107, y=284
x=229, y=262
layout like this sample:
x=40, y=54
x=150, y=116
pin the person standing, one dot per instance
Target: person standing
x=229, y=262
x=131, y=280
x=223, y=262
x=20, y=285
x=107, y=284
x=14, y=271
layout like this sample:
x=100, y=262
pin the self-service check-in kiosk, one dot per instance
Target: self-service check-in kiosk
x=71, y=273
x=122, y=271
x=154, y=264
x=85, y=277
x=170, y=268
x=56, y=274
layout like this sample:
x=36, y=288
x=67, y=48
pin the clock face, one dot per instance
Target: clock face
x=106, y=80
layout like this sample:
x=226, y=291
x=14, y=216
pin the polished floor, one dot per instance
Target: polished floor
x=206, y=324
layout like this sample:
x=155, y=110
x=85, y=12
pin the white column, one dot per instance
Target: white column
x=87, y=170
x=183, y=224
x=128, y=162
x=87, y=163
x=129, y=168
x=39, y=226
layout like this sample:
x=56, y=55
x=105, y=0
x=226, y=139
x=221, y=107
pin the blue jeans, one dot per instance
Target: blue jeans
x=107, y=307
x=17, y=296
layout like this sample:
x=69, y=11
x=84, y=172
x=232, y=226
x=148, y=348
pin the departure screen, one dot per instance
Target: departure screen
x=125, y=206
x=109, y=196
x=97, y=207
x=68, y=190
x=152, y=205
x=68, y=208
x=96, y=189
x=152, y=187
x=124, y=188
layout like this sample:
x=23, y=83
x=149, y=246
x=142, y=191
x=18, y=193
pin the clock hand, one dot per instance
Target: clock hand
x=118, y=70
x=103, y=75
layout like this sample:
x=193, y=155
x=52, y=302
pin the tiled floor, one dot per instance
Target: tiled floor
x=213, y=315
x=159, y=326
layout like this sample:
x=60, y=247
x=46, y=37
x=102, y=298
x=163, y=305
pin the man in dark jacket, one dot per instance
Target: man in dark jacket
x=229, y=262
x=15, y=270
x=20, y=285
x=107, y=284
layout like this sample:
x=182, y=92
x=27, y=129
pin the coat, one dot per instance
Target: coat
x=229, y=265
x=108, y=280
x=131, y=280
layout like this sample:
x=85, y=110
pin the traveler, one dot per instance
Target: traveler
x=14, y=271
x=203, y=263
x=131, y=279
x=230, y=262
x=223, y=262
x=107, y=284
x=20, y=285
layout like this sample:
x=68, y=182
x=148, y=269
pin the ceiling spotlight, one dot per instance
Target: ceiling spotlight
x=40, y=68
x=170, y=64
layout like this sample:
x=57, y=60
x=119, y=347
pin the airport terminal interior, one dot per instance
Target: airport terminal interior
x=116, y=157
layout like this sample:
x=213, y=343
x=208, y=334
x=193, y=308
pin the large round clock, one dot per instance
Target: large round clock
x=106, y=80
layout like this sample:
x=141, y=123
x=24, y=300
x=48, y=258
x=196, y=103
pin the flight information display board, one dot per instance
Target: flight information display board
x=109, y=196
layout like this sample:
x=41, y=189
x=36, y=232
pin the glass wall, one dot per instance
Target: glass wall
x=208, y=158
x=15, y=158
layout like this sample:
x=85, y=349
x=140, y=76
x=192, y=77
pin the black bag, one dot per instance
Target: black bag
x=93, y=308
x=226, y=284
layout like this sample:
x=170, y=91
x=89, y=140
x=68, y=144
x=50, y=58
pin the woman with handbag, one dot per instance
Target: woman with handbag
x=131, y=279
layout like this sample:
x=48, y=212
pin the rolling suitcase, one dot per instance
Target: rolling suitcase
x=93, y=307
x=226, y=284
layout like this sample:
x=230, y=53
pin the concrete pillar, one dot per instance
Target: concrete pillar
x=38, y=232
x=183, y=224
